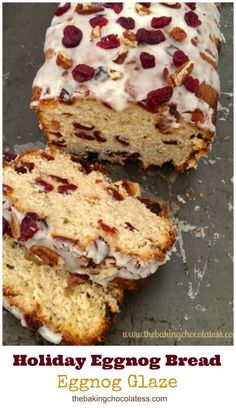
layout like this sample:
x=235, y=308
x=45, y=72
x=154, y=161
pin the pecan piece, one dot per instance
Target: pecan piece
x=63, y=61
x=15, y=226
x=178, y=34
x=129, y=38
x=36, y=93
x=208, y=94
x=172, y=5
x=178, y=78
x=115, y=75
x=48, y=256
x=208, y=59
x=121, y=56
x=133, y=189
x=88, y=8
x=96, y=33
x=141, y=9
x=48, y=53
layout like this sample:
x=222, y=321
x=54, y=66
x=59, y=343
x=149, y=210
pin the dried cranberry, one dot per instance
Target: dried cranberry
x=115, y=193
x=150, y=36
x=109, y=42
x=160, y=22
x=24, y=167
x=159, y=97
x=117, y=7
x=126, y=22
x=28, y=226
x=59, y=179
x=192, y=19
x=192, y=6
x=31, y=323
x=66, y=188
x=72, y=36
x=46, y=186
x=83, y=72
x=8, y=156
x=147, y=60
x=180, y=58
x=61, y=10
x=5, y=227
x=107, y=228
x=98, y=21
x=192, y=85
x=153, y=206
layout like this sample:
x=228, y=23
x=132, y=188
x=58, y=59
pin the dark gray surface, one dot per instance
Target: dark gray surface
x=193, y=291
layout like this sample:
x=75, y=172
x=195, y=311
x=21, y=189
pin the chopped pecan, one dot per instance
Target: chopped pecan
x=208, y=59
x=88, y=8
x=96, y=32
x=36, y=93
x=121, y=56
x=45, y=254
x=7, y=189
x=178, y=78
x=129, y=38
x=208, y=94
x=141, y=9
x=172, y=5
x=48, y=53
x=133, y=189
x=15, y=226
x=197, y=116
x=73, y=281
x=115, y=75
x=178, y=34
x=63, y=61
x=195, y=41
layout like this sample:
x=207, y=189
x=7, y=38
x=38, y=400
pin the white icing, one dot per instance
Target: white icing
x=44, y=331
x=127, y=267
x=136, y=81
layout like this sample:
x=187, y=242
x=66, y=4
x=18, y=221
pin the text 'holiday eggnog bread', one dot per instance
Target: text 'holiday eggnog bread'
x=61, y=307
x=131, y=81
x=71, y=215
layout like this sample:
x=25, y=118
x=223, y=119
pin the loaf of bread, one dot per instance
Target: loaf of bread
x=61, y=307
x=71, y=215
x=131, y=81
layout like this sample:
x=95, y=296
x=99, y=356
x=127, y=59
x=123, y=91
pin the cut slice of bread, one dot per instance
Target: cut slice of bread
x=71, y=215
x=62, y=307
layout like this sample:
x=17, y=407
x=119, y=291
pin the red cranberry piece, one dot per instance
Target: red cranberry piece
x=126, y=22
x=160, y=22
x=150, y=36
x=31, y=323
x=66, y=188
x=109, y=42
x=61, y=10
x=192, y=6
x=107, y=228
x=28, y=226
x=192, y=19
x=59, y=179
x=117, y=7
x=72, y=36
x=98, y=21
x=180, y=58
x=192, y=85
x=24, y=167
x=151, y=205
x=8, y=156
x=147, y=60
x=159, y=97
x=115, y=193
x=5, y=227
x=46, y=186
x=83, y=72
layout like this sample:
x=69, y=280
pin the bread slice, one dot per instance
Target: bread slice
x=131, y=81
x=71, y=215
x=62, y=307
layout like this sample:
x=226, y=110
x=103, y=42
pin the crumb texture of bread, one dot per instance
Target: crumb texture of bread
x=81, y=204
x=77, y=310
x=131, y=81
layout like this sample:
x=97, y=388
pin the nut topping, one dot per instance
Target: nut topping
x=121, y=56
x=178, y=34
x=178, y=78
x=48, y=256
x=63, y=61
x=115, y=75
x=141, y=9
x=129, y=38
x=15, y=227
